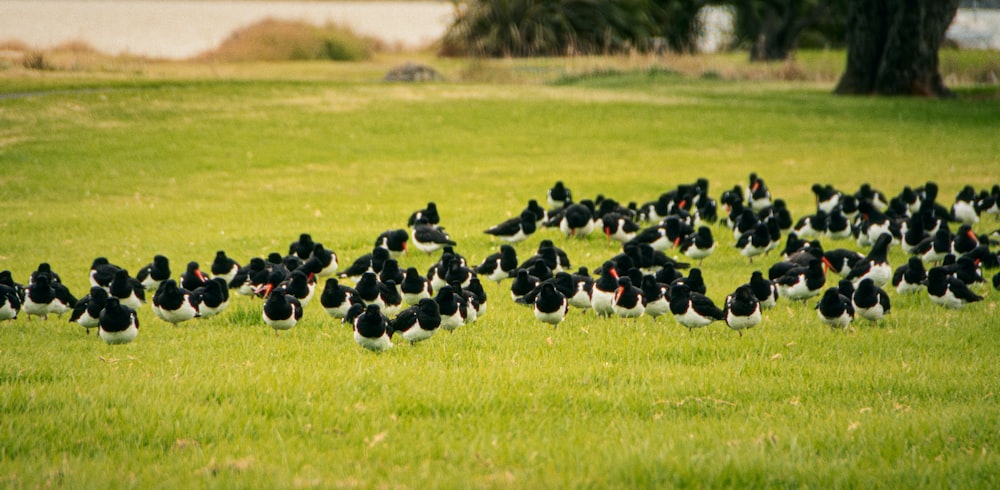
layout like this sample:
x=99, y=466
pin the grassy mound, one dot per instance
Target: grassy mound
x=282, y=40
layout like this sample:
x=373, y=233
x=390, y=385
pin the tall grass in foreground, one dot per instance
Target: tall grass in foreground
x=186, y=168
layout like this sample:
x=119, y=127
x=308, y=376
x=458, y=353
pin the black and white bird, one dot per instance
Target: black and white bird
x=10, y=303
x=337, y=298
x=742, y=309
x=764, y=290
x=500, y=265
x=281, y=311
x=516, y=229
x=129, y=291
x=118, y=324
x=577, y=220
x=174, y=304
x=371, y=329
x=870, y=301
x=964, y=240
x=102, y=272
x=755, y=242
x=933, y=249
x=948, y=291
x=322, y=262
x=223, y=266
x=154, y=273
x=429, y=215
x=428, y=238
x=835, y=309
x=370, y=262
x=451, y=307
x=875, y=265
x=602, y=295
x=87, y=312
x=619, y=227
x=44, y=297
x=691, y=309
x=910, y=277
x=212, y=298
x=414, y=287
x=964, y=209
x=699, y=245
x=418, y=322
x=558, y=196
x=394, y=241
x=523, y=284
x=802, y=283
x=629, y=302
x=193, y=278
x=302, y=247
x=550, y=305
x=843, y=260
x=656, y=297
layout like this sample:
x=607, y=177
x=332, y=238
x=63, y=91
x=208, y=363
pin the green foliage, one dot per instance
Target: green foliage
x=519, y=28
x=138, y=167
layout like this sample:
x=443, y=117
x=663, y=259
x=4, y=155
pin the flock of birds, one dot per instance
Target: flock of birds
x=386, y=300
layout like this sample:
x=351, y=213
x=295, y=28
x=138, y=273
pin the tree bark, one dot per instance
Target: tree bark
x=893, y=47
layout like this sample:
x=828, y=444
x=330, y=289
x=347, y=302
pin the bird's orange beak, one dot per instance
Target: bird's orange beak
x=826, y=265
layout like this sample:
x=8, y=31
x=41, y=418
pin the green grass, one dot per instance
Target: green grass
x=184, y=166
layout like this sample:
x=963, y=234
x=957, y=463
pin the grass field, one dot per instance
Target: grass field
x=175, y=161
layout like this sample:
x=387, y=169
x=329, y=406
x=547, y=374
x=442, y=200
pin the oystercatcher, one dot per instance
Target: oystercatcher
x=281, y=311
x=755, y=242
x=764, y=290
x=224, y=267
x=964, y=209
x=39, y=297
x=812, y=226
x=541, y=215
x=394, y=241
x=874, y=223
x=152, y=274
x=427, y=238
x=102, y=272
x=875, y=265
x=558, y=196
x=758, y=196
x=602, y=296
x=414, y=286
x=628, y=302
x=515, y=229
x=475, y=288
x=964, y=240
x=802, y=283
x=965, y=269
x=87, y=312
x=910, y=277
x=870, y=301
x=429, y=215
x=699, y=245
x=523, y=284
x=583, y=285
x=578, y=219
x=418, y=322
x=10, y=303
x=391, y=272
x=302, y=247
x=212, y=298
x=193, y=278
x=843, y=260
x=118, y=324
x=948, y=291
x=935, y=248
x=322, y=262
x=45, y=268
x=655, y=296
x=837, y=225
x=655, y=236
x=337, y=299
x=619, y=227
x=450, y=308
x=129, y=291
x=174, y=304
x=826, y=197
x=691, y=309
x=550, y=305
x=370, y=262
x=371, y=330
x=742, y=309
x=500, y=265
x=835, y=309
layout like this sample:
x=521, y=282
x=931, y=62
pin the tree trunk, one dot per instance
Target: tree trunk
x=893, y=47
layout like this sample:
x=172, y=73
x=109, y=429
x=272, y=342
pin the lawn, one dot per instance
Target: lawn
x=183, y=164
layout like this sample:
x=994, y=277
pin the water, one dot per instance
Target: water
x=177, y=29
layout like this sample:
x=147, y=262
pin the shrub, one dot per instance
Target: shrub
x=280, y=40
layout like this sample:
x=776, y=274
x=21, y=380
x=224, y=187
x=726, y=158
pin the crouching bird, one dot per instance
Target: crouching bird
x=835, y=309
x=371, y=329
x=418, y=322
x=742, y=309
x=118, y=323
